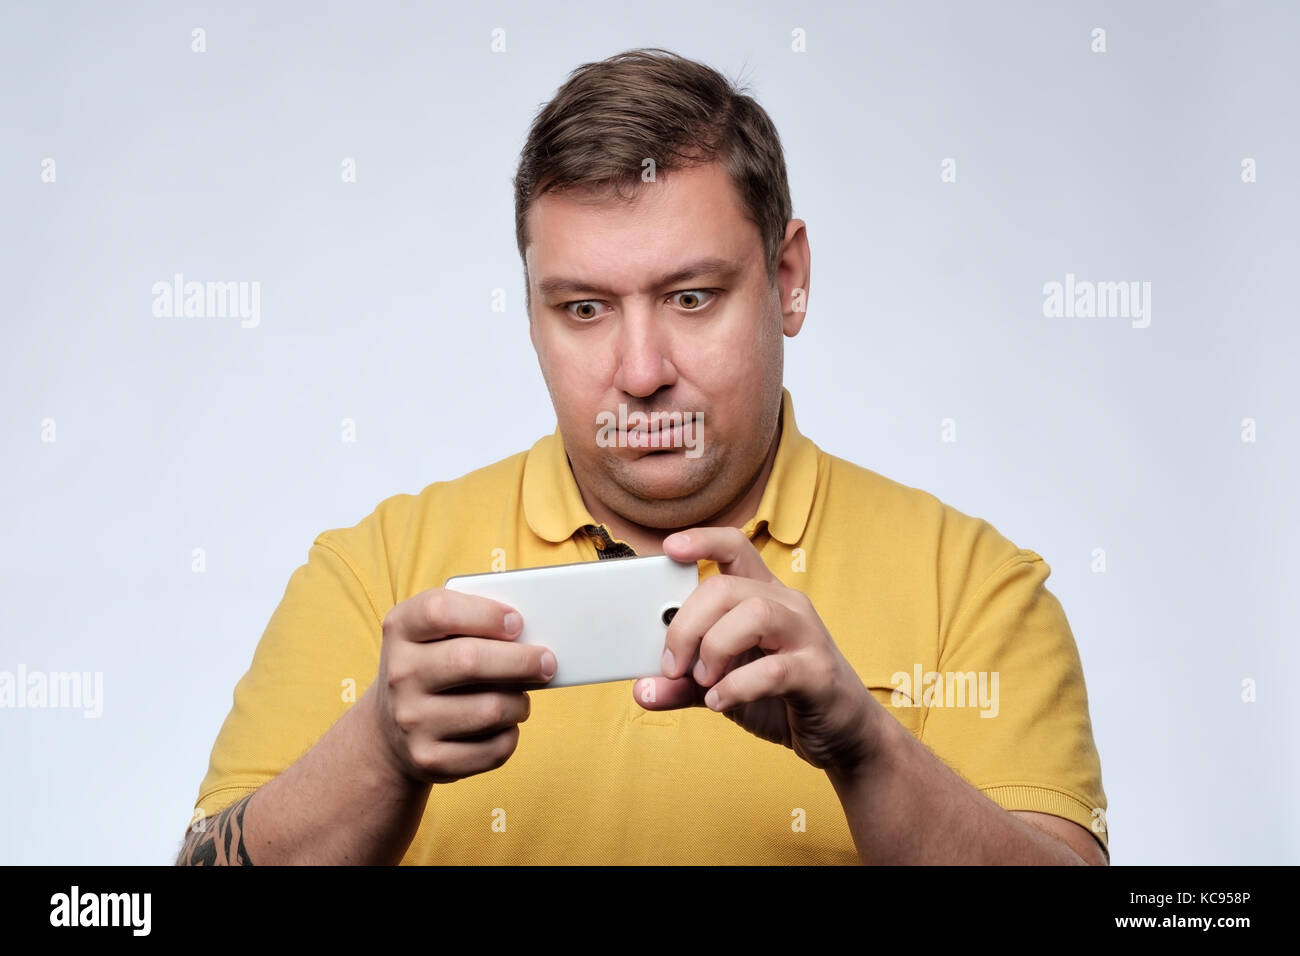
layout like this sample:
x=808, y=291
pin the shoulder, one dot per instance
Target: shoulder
x=467, y=494
x=901, y=512
x=385, y=547
x=917, y=528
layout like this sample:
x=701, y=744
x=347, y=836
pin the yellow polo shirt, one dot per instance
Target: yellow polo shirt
x=947, y=622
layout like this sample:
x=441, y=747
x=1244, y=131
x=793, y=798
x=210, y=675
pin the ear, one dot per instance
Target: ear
x=793, y=275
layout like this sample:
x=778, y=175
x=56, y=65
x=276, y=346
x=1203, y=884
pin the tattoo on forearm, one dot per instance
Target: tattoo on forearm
x=220, y=842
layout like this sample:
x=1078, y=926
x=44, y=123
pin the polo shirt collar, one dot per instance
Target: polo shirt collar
x=554, y=509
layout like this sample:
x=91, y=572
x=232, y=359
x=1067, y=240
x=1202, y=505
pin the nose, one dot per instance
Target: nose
x=644, y=356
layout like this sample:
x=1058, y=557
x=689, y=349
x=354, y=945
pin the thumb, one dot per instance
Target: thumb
x=665, y=693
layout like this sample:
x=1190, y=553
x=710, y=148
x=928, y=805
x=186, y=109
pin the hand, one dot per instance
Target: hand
x=746, y=645
x=448, y=706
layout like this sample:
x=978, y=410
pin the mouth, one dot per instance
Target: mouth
x=656, y=439
x=649, y=433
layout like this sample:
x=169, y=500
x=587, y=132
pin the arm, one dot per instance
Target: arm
x=904, y=805
x=446, y=704
x=766, y=660
x=341, y=802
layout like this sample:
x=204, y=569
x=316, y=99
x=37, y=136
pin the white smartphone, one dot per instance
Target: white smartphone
x=606, y=620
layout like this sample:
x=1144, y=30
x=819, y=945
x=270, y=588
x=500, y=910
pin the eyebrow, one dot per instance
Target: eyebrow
x=709, y=265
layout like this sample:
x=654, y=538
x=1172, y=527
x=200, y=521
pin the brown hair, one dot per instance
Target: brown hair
x=650, y=103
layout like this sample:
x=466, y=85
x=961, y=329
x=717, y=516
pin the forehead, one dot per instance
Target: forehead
x=687, y=214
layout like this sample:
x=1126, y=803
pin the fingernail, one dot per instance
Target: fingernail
x=679, y=540
x=668, y=663
x=711, y=698
x=513, y=622
x=548, y=665
x=701, y=671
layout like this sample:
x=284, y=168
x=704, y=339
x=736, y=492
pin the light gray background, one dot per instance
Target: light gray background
x=926, y=304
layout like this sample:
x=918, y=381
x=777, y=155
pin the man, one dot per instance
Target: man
x=830, y=691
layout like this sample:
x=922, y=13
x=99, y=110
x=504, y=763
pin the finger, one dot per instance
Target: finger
x=438, y=613
x=459, y=661
x=728, y=547
x=756, y=622
x=702, y=609
x=769, y=676
x=448, y=760
x=660, y=693
x=480, y=715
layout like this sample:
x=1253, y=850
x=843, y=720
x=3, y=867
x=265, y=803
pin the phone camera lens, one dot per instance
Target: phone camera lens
x=668, y=615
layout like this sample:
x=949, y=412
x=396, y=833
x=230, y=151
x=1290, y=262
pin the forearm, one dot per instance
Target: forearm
x=340, y=803
x=905, y=806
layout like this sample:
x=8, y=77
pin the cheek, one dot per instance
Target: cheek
x=582, y=360
x=719, y=354
x=750, y=334
x=729, y=365
x=562, y=366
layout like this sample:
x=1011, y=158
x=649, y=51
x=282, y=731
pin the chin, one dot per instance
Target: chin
x=664, y=476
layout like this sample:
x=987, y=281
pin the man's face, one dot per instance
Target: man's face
x=661, y=305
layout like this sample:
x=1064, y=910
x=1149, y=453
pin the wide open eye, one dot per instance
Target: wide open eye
x=589, y=307
x=693, y=300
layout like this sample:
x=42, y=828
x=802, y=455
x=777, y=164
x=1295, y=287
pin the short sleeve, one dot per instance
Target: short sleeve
x=1007, y=707
x=319, y=652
